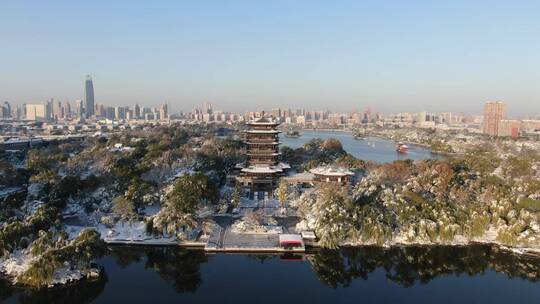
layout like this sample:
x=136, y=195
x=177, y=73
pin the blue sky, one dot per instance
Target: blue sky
x=245, y=55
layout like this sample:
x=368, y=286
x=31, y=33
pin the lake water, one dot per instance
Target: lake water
x=474, y=274
x=371, y=148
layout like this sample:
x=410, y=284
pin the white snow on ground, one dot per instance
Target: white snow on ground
x=19, y=261
x=206, y=211
x=67, y=275
x=34, y=188
x=243, y=227
x=126, y=233
x=150, y=210
x=9, y=190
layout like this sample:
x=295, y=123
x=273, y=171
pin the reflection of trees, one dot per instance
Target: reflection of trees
x=5, y=289
x=82, y=292
x=126, y=255
x=261, y=258
x=412, y=265
x=176, y=266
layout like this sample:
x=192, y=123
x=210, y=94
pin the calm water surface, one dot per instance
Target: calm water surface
x=475, y=274
x=371, y=148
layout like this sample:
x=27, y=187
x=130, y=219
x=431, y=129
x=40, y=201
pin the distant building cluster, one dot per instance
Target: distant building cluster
x=496, y=123
x=207, y=114
x=493, y=122
x=326, y=119
x=58, y=114
x=53, y=111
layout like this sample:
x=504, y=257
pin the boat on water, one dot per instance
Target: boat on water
x=402, y=148
x=359, y=136
x=292, y=134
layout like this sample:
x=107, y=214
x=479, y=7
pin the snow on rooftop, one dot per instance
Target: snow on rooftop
x=308, y=234
x=267, y=169
x=262, y=143
x=263, y=121
x=263, y=131
x=259, y=169
x=331, y=171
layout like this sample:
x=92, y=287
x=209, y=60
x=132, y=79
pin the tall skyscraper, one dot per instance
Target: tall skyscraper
x=494, y=112
x=49, y=109
x=164, y=112
x=57, y=110
x=89, y=96
x=67, y=110
x=207, y=108
x=137, y=111
x=120, y=112
x=6, y=110
x=79, y=108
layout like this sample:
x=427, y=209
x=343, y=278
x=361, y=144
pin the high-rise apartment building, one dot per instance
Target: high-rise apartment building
x=88, y=96
x=6, y=110
x=57, y=110
x=164, y=112
x=67, y=110
x=18, y=113
x=207, y=108
x=79, y=108
x=137, y=111
x=494, y=112
x=120, y=112
x=36, y=112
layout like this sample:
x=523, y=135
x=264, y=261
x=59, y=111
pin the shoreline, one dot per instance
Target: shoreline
x=381, y=136
x=525, y=251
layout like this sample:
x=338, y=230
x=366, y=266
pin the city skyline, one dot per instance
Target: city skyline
x=302, y=54
x=88, y=102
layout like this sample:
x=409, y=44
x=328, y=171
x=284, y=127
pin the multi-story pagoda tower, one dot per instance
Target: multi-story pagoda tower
x=263, y=168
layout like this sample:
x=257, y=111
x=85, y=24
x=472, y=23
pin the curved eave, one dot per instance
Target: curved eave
x=263, y=143
x=263, y=154
x=262, y=170
x=254, y=123
x=263, y=131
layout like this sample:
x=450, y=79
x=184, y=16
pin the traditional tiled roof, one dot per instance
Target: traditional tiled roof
x=267, y=121
x=266, y=169
x=263, y=131
x=331, y=171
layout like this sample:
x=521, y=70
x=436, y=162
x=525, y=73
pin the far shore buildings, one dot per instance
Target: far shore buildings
x=260, y=174
x=494, y=112
x=496, y=124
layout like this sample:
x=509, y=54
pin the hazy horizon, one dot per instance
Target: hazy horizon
x=251, y=55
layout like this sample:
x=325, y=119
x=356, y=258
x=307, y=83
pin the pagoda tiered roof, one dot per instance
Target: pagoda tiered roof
x=263, y=121
x=264, y=153
x=279, y=168
x=263, y=143
x=258, y=131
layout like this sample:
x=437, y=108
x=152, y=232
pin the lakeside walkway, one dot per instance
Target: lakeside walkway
x=225, y=240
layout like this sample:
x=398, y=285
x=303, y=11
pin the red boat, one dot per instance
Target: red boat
x=402, y=148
